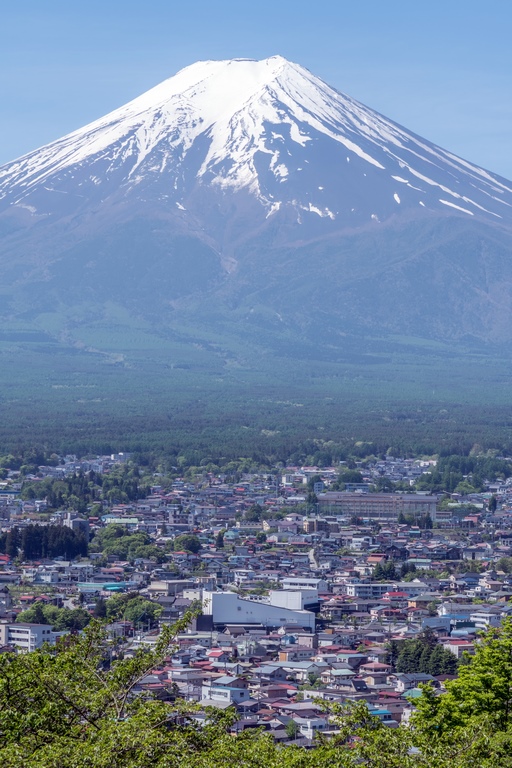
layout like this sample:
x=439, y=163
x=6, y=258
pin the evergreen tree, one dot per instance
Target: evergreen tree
x=13, y=542
x=393, y=651
x=378, y=572
x=38, y=616
x=424, y=660
x=100, y=608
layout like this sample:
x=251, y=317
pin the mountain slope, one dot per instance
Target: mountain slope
x=241, y=195
x=255, y=126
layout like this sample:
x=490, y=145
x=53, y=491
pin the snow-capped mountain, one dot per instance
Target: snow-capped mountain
x=250, y=194
x=269, y=128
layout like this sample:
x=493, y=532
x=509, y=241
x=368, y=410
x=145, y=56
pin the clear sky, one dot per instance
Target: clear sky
x=442, y=68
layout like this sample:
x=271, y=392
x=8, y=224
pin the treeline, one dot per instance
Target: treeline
x=39, y=541
x=81, y=490
x=464, y=473
x=59, y=618
x=222, y=444
x=423, y=654
x=116, y=540
x=217, y=431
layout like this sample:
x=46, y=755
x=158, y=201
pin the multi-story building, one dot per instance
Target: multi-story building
x=26, y=637
x=378, y=506
x=228, y=608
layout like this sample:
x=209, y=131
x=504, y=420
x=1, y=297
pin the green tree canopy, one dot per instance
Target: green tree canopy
x=60, y=618
x=68, y=707
x=188, y=542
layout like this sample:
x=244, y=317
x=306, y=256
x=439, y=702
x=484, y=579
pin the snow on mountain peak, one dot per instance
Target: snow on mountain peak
x=270, y=127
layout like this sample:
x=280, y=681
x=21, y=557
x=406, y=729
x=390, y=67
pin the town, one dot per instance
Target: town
x=355, y=582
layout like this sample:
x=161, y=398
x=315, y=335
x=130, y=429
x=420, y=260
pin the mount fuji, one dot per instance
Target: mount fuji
x=268, y=128
x=249, y=203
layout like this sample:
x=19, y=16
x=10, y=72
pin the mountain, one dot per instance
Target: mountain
x=269, y=128
x=230, y=157
x=243, y=216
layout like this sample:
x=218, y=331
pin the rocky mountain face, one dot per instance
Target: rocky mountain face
x=251, y=199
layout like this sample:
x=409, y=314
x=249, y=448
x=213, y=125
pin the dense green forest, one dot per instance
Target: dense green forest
x=465, y=471
x=35, y=541
x=266, y=409
x=72, y=707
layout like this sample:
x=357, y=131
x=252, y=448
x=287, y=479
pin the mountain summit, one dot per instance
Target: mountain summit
x=252, y=198
x=269, y=128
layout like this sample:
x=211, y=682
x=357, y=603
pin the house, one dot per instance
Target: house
x=310, y=726
x=225, y=689
x=405, y=682
x=458, y=647
x=27, y=637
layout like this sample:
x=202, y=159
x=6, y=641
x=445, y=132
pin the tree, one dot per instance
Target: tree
x=414, y=655
x=378, y=572
x=407, y=568
x=504, y=564
x=424, y=660
x=12, y=542
x=384, y=484
x=483, y=687
x=385, y=571
x=60, y=619
x=349, y=476
x=188, y=542
x=442, y=662
x=35, y=615
x=312, y=480
x=88, y=716
x=393, y=649
x=292, y=729
x=100, y=608
x=254, y=513
x=132, y=607
x=65, y=707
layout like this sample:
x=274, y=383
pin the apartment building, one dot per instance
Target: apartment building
x=378, y=506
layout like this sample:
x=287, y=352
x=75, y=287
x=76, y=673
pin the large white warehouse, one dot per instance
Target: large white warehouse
x=229, y=608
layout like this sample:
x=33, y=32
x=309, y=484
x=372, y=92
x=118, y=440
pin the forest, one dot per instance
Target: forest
x=39, y=541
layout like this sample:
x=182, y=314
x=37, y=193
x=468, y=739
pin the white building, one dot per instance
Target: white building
x=310, y=726
x=297, y=582
x=229, y=608
x=295, y=600
x=27, y=637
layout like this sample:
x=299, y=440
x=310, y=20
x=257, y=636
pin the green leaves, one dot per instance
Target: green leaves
x=188, y=542
x=68, y=707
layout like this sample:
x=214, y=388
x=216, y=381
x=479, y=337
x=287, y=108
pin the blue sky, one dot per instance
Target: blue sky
x=442, y=69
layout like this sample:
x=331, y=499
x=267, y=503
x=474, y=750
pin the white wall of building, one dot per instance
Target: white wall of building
x=26, y=637
x=293, y=599
x=229, y=608
x=303, y=583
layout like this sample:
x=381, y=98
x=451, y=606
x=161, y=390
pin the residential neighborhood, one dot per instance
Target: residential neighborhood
x=299, y=591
